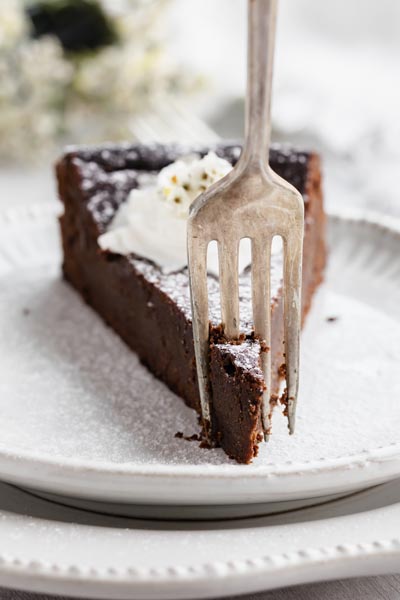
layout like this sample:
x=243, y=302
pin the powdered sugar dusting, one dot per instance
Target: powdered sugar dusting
x=176, y=286
x=245, y=355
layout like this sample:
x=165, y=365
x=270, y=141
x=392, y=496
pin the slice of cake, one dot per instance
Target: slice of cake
x=150, y=308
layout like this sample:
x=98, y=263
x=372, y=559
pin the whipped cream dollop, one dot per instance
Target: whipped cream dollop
x=152, y=222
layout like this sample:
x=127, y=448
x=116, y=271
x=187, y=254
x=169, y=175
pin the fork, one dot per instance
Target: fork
x=250, y=202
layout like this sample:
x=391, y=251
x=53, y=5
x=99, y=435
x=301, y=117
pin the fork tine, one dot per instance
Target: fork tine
x=293, y=250
x=197, y=261
x=228, y=256
x=261, y=298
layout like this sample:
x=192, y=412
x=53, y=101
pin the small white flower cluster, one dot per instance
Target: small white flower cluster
x=48, y=97
x=34, y=77
x=182, y=181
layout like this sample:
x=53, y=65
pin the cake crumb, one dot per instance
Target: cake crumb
x=282, y=371
x=331, y=319
x=205, y=444
x=273, y=402
x=284, y=401
x=26, y=312
x=195, y=437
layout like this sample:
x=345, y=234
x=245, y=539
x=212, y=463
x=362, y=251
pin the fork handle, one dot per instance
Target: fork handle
x=260, y=54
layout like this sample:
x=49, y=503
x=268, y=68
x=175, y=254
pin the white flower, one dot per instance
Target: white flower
x=13, y=23
x=209, y=170
x=46, y=94
x=34, y=77
x=181, y=182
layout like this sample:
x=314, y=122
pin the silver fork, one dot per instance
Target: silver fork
x=250, y=202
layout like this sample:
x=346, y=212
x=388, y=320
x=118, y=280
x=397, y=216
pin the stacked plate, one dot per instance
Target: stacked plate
x=84, y=425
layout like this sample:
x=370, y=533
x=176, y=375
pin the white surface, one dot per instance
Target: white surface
x=49, y=548
x=98, y=425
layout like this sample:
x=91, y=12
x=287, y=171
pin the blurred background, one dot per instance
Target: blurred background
x=83, y=71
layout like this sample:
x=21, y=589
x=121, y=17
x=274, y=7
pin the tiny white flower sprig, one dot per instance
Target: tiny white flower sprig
x=181, y=182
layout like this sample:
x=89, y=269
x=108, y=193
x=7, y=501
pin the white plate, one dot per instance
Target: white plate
x=50, y=548
x=81, y=417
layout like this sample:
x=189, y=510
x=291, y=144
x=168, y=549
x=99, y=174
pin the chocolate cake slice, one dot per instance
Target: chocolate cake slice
x=150, y=309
